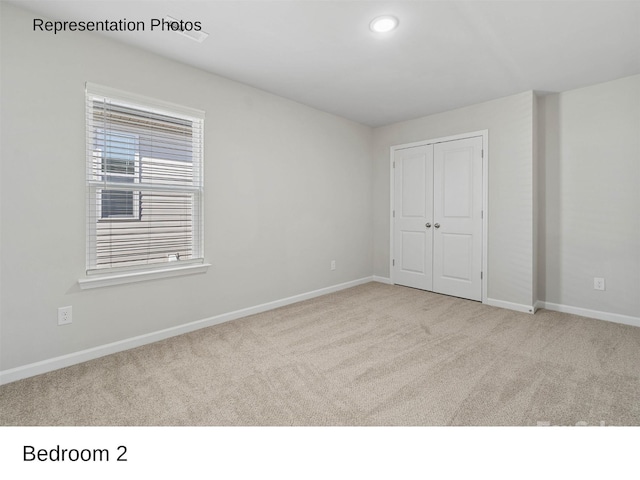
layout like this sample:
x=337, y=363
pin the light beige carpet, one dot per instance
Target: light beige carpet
x=371, y=355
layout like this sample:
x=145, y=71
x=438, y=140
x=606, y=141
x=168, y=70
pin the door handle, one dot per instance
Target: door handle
x=437, y=225
x=428, y=225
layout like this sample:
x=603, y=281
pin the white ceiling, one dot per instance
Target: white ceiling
x=444, y=55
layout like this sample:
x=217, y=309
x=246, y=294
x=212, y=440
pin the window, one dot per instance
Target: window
x=119, y=160
x=144, y=182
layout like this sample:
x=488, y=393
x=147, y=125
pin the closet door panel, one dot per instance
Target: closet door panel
x=413, y=203
x=457, y=204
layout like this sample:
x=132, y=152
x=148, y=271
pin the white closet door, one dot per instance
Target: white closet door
x=413, y=203
x=457, y=227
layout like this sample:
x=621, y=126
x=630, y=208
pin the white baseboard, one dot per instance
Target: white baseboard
x=518, y=307
x=585, y=312
x=386, y=280
x=37, y=368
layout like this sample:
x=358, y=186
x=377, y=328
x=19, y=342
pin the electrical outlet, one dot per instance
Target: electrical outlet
x=598, y=283
x=333, y=264
x=64, y=315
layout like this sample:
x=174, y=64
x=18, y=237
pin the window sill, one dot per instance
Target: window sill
x=131, y=277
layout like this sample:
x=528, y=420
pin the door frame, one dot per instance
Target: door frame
x=485, y=196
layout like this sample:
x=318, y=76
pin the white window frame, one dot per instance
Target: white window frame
x=117, y=275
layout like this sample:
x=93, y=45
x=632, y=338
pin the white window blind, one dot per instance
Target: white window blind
x=144, y=181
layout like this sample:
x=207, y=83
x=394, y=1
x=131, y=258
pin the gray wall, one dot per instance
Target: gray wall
x=510, y=124
x=288, y=189
x=590, y=197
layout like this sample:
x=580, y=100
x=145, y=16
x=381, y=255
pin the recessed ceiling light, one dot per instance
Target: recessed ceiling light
x=383, y=24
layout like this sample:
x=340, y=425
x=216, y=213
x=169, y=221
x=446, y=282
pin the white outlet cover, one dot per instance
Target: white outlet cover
x=65, y=315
